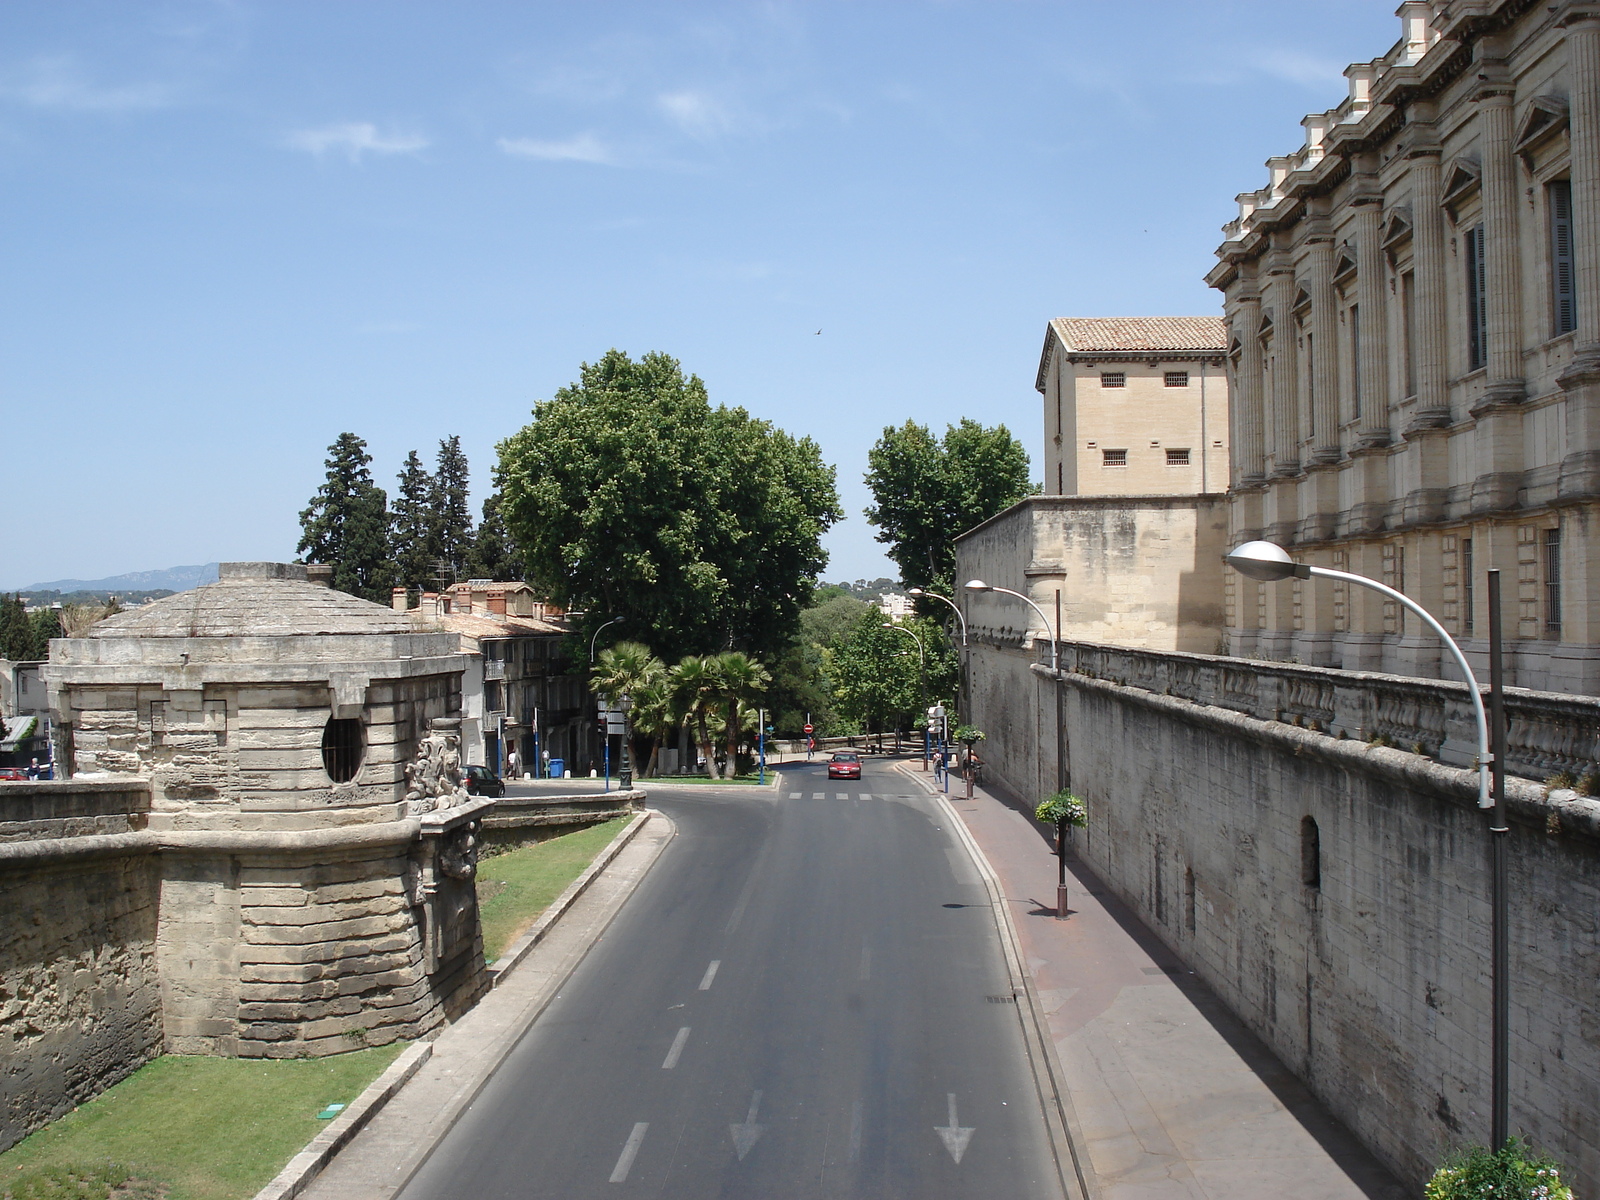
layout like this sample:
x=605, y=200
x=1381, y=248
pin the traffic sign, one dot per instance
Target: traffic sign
x=808, y=729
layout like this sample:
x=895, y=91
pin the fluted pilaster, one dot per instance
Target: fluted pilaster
x=1428, y=360
x=1324, y=373
x=1250, y=465
x=1502, y=263
x=1583, y=64
x=1283, y=400
x=1372, y=363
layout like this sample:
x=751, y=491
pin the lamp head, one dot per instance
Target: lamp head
x=1265, y=561
x=625, y=702
x=978, y=585
x=888, y=624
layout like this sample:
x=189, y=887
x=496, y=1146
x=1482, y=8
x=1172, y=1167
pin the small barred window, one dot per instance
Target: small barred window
x=1113, y=458
x=1176, y=379
x=1110, y=379
x=1177, y=458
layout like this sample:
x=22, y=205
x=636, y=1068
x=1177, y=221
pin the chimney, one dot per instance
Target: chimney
x=428, y=605
x=399, y=599
x=320, y=574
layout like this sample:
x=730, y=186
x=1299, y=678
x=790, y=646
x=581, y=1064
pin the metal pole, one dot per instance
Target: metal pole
x=1498, y=829
x=1061, y=783
x=608, y=756
x=1061, y=869
x=761, y=744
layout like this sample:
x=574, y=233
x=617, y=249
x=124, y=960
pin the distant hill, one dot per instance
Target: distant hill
x=173, y=579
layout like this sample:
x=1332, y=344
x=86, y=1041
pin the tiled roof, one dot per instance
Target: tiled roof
x=477, y=627
x=1111, y=334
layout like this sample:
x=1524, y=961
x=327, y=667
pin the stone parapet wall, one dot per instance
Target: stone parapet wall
x=1333, y=892
x=80, y=999
x=521, y=820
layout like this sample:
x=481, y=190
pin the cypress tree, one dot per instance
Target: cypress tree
x=452, y=514
x=413, y=540
x=346, y=524
x=16, y=637
x=494, y=554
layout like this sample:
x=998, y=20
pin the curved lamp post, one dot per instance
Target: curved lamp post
x=1270, y=563
x=959, y=614
x=592, y=640
x=978, y=585
x=922, y=673
x=961, y=696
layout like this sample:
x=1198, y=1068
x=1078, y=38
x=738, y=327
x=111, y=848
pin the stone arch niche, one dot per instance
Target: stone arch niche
x=317, y=848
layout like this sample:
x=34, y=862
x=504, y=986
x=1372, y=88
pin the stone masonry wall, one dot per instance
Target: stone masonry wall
x=1364, y=964
x=80, y=1005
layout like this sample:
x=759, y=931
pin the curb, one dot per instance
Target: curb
x=307, y=1165
x=302, y=1170
x=518, y=950
x=1061, y=1119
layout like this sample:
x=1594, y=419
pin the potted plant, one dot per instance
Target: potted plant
x=1065, y=811
x=1514, y=1172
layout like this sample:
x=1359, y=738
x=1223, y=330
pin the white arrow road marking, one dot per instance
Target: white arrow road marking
x=744, y=1136
x=677, y=1049
x=953, y=1135
x=630, y=1148
x=711, y=973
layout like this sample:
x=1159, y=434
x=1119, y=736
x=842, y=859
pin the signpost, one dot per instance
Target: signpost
x=811, y=742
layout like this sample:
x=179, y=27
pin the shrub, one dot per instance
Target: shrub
x=1062, y=806
x=1514, y=1172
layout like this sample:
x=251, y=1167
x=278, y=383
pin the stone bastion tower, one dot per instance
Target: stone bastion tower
x=316, y=848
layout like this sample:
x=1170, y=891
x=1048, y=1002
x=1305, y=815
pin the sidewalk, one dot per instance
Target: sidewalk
x=1174, y=1097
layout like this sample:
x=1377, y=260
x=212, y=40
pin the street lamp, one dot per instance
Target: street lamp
x=922, y=673
x=625, y=772
x=959, y=614
x=1270, y=563
x=978, y=585
x=596, y=637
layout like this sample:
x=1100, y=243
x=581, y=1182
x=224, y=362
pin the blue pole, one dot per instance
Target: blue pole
x=761, y=744
x=608, y=760
x=536, y=759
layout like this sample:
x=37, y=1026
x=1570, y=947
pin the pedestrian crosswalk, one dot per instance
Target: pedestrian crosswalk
x=842, y=796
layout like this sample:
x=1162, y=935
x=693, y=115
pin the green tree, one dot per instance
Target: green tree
x=929, y=490
x=697, y=687
x=346, y=524
x=800, y=681
x=632, y=497
x=494, y=554
x=877, y=673
x=412, y=544
x=452, y=515
x=16, y=635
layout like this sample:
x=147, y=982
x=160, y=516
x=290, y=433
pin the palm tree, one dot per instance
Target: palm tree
x=696, y=687
x=743, y=679
x=626, y=669
x=656, y=715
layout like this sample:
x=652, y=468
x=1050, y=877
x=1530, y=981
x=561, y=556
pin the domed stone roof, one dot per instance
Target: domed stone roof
x=254, y=600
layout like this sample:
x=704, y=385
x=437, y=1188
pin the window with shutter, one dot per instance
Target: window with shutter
x=1564, y=293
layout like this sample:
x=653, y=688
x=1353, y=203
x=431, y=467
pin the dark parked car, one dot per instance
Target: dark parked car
x=483, y=782
x=845, y=764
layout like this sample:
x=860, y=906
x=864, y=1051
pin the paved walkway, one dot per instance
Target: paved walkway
x=1174, y=1097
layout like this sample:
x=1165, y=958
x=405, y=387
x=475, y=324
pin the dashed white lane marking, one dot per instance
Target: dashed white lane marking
x=677, y=1049
x=630, y=1149
x=818, y=796
x=855, y=1131
x=794, y=795
x=744, y=1136
x=954, y=1136
x=864, y=796
x=865, y=970
x=711, y=973
x=841, y=795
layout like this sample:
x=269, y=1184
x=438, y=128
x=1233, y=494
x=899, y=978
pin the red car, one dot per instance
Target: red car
x=845, y=764
x=13, y=773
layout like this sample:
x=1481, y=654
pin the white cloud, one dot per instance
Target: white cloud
x=353, y=139
x=696, y=113
x=59, y=82
x=582, y=147
x=1294, y=66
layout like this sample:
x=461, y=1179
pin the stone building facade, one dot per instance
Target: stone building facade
x=301, y=751
x=1413, y=312
x=1134, y=406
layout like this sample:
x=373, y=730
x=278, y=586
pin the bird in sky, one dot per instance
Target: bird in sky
x=819, y=333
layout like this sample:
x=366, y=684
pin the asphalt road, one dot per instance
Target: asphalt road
x=805, y=998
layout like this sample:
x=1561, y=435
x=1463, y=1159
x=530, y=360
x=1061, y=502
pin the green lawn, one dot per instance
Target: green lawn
x=514, y=888
x=188, y=1128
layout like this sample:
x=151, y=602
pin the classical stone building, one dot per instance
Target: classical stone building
x=310, y=852
x=1413, y=310
x=1134, y=406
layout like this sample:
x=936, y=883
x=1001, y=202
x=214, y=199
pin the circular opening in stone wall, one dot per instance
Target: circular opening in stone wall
x=344, y=745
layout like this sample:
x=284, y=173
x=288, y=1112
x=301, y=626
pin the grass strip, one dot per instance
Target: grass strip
x=514, y=888
x=188, y=1128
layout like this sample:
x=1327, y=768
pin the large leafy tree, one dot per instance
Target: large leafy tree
x=800, y=680
x=632, y=497
x=494, y=554
x=346, y=524
x=452, y=515
x=413, y=545
x=877, y=673
x=928, y=490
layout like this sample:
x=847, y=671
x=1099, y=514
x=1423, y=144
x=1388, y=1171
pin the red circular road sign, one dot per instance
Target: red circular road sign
x=808, y=729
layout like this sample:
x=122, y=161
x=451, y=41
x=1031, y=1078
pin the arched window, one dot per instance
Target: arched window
x=1310, y=853
x=344, y=745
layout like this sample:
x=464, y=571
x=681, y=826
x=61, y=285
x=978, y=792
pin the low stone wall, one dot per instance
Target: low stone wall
x=80, y=999
x=1334, y=893
x=524, y=820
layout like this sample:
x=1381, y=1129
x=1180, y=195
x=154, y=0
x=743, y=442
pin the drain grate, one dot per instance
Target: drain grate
x=1001, y=999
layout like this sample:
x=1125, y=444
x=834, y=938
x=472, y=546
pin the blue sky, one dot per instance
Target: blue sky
x=233, y=230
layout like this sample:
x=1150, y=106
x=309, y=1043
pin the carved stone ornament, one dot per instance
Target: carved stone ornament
x=458, y=853
x=433, y=778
